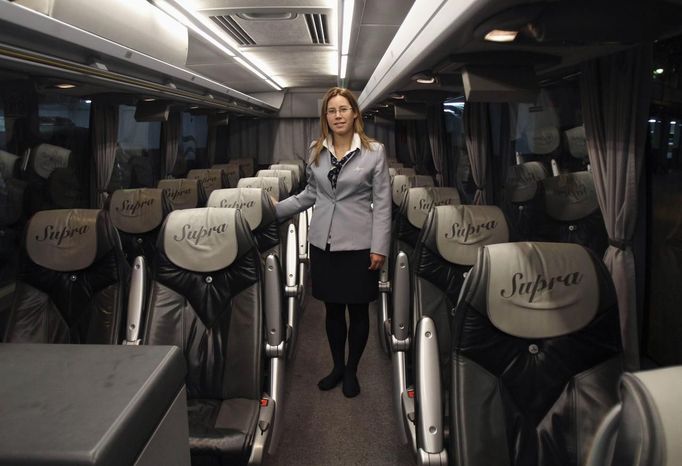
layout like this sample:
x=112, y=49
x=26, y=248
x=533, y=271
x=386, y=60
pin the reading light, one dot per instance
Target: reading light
x=424, y=77
x=397, y=96
x=659, y=71
x=500, y=35
x=64, y=86
x=149, y=99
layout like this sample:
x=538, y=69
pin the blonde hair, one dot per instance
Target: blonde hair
x=358, y=126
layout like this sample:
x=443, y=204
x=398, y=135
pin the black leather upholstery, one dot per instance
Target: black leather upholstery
x=79, y=305
x=215, y=317
x=537, y=401
x=523, y=207
x=138, y=215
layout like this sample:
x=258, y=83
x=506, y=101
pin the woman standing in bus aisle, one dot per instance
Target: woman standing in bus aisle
x=349, y=239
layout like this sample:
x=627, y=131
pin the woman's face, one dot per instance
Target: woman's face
x=340, y=115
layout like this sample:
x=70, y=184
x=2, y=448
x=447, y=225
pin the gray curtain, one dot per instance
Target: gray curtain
x=412, y=143
x=104, y=122
x=293, y=137
x=172, y=134
x=476, y=133
x=385, y=134
x=435, y=127
x=615, y=93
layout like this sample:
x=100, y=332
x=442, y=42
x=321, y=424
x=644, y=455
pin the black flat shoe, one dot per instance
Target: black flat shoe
x=331, y=381
x=351, y=386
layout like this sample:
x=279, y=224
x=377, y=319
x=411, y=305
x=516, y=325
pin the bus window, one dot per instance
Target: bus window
x=192, y=147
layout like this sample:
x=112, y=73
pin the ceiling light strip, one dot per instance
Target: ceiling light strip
x=348, y=7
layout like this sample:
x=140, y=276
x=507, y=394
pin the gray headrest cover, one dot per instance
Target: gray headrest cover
x=63, y=240
x=248, y=200
x=47, y=157
x=7, y=162
x=664, y=387
x=522, y=180
x=577, y=142
x=183, y=192
x=136, y=210
x=285, y=166
x=201, y=240
x=211, y=178
x=541, y=290
x=399, y=186
x=571, y=196
x=286, y=175
x=231, y=171
x=463, y=229
x=269, y=184
x=420, y=200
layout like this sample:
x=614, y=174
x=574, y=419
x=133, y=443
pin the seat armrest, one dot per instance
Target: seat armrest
x=291, y=259
x=428, y=395
x=273, y=307
x=303, y=236
x=261, y=439
x=136, y=295
x=400, y=322
x=601, y=452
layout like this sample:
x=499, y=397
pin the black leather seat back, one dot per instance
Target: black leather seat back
x=522, y=206
x=72, y=281
x=444, y=254
x=258, y=210
x=13, y=209
x=572, y=211
x=206, y=298
x=272, y=185
x=42, y=160
x=231, y=171
x=138, y=214
x=209, y=178
x=536, y=355
x=184, y=193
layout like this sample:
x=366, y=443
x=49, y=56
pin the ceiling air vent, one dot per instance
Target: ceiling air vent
x=317, y=26
x=230, y=26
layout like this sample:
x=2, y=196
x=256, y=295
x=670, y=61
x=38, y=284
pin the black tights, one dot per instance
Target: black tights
x=358, y=332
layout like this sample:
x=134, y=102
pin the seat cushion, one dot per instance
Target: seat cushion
x=221, y=432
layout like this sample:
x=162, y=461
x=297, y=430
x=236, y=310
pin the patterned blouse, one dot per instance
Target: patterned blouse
x=337, y=165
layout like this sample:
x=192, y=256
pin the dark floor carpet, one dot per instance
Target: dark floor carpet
x=326, y=428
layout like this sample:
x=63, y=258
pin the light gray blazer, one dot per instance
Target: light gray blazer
x=344, y=217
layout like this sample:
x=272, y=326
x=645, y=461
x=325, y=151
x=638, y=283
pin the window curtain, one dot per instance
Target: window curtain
x=104, y=127
x=436, y=132
x=385, y=134
x=172, y=133
x=476, y=132
x=412, y=142
x=615, y=93
x=293, y=137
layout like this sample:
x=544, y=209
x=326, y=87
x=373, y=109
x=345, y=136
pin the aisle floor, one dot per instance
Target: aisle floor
x=326, y=428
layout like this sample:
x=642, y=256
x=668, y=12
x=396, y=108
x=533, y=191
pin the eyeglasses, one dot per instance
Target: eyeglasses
x=341, y=110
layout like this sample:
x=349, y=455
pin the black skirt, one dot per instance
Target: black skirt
x=343, y=276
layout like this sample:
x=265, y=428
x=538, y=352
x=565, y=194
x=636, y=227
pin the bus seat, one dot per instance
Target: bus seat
x=392, y=163
x=231, y=172
x=297, y=177
x=521, y=203
x=247, y=166
x=572, y=211
x=285, y=175
x=72, y=280
x=401, y=183
x=272, y=185
x=64, y=191
x=39, y=164
x=443, y=255
x=184, y=193
x=209, y=178
x=644, y=428
x=301, y=165
x=207, y=297
x=9, y=168
x=536, y=354
x=137, y=214
x=401, y=171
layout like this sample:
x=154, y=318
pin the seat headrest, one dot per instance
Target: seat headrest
x=65, y=239
x=47, y=157
x=421, y=200
x=246, y=164
x=286, y=175
x=270, y=184
x=203, y=239
x=655, y=396
x=571, y=196
x=577, y=143
x=298, y=162
x=401, y=183
x=540, y=290
x=7, y=164
x=462, y=229
x=137, y=210
x=254, y=204
x=231, y=171
x=183, y=192
x=522, y=180
x=210, y=178
x=401, y=171
x=285, y=166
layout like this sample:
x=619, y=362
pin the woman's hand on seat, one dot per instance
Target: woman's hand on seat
x=376, y=261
